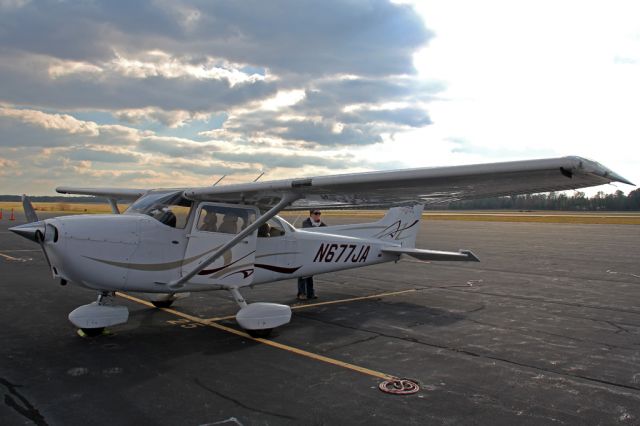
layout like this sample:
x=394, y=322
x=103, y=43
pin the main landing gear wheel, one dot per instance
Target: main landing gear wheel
x=264, y=333
x=162, y=303
x=92, y=332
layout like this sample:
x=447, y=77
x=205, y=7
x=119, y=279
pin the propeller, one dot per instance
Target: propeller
x=34, y=230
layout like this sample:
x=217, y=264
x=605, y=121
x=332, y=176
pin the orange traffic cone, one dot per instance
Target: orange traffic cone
x=12, y=217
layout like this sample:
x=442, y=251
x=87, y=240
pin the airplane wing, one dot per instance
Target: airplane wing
x=434, y=185
x=437, y=185
x=115, y=193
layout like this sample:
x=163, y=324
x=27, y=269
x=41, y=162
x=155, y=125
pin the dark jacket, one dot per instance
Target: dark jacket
x=307, y=223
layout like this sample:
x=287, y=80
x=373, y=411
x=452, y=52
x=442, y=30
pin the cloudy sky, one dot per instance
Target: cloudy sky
x=178, y=93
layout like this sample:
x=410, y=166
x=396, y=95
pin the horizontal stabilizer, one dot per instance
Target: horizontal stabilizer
x=421, y=254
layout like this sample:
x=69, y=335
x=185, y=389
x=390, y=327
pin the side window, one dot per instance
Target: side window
x=225, y=220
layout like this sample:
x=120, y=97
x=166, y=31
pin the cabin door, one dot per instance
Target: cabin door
x=216, y=224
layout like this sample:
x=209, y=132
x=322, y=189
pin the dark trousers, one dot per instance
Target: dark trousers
x=305, y=286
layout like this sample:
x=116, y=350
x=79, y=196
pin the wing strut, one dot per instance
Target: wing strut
x=287, y=199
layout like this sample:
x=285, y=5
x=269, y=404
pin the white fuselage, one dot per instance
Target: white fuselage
x=135, y=252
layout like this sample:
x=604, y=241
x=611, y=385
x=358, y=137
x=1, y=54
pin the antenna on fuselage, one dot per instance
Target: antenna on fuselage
x=218, y=181
x=261, y=174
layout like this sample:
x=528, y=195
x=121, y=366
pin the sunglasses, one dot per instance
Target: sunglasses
x=318, y=213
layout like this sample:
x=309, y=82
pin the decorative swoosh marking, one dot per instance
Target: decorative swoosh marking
x=360, y=228
x=246, y=273
x=280, y=269
x=277, y=254
x=211, y=271
x=153, y=266
x=390, y=232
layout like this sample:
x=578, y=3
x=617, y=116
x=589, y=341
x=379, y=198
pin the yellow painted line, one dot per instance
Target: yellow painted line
x=271, y=343
x=353, y=299
x=171, y=311
x=331, y=302
x=228, y=317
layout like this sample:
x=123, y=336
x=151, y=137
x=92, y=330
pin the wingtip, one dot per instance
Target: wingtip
x=603, y=171
x=617, y=178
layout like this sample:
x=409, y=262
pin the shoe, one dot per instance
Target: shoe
x=302, y=297
x=312, y=297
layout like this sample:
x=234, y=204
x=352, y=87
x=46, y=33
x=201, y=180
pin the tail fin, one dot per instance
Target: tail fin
x=29, y=211
x=400, y=224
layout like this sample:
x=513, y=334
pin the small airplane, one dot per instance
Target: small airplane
x=170, y=242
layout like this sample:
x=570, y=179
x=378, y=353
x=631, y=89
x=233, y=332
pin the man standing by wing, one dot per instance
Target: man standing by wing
x=305, y=284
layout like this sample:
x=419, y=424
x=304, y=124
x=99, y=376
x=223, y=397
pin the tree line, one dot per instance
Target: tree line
x=555, y=201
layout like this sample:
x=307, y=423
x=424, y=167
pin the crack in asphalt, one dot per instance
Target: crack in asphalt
x=535, y=299
x=619, y=327
x=367, y=339
x=454, y=288
x=479, y=355
x=537, y=274
x=26, y=409
x=235, y=401
x=524, y=331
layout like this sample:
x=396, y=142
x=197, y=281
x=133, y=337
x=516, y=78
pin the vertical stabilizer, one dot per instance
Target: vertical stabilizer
x=29, y=211
x=399, y=225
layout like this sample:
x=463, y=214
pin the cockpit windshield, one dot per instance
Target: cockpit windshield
x=170, y=208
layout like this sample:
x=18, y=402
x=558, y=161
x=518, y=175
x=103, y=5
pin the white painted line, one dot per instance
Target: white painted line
x=15, y=259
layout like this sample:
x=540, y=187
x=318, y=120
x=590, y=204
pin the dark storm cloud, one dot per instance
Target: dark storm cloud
x=115, y=60
x=213, y=172
x=324, y=134
x=373, y=37
x=327, y=95
x=24, y=80
x=14, y=133
x=90, y=154
x=328, y=99
x=269, y=160
x=174, y=147
x=412, y=117
x=30, y=128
